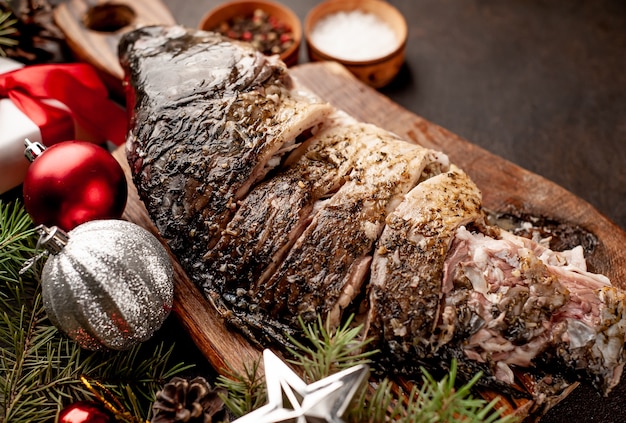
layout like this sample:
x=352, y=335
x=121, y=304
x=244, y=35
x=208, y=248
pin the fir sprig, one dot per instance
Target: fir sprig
x=245, y=391
x=434, y=401
x=17, y=242
x=326, y=351
x=40, y=368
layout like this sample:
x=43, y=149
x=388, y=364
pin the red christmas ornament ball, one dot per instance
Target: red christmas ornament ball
x=85, y=412
x=73, y=182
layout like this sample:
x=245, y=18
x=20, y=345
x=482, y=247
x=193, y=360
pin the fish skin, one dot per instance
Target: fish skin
x=201, y=136
x=277, y=210
x=257, y=268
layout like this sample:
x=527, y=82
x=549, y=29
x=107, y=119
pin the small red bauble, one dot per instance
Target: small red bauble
x=73, y=182
x=85, y=412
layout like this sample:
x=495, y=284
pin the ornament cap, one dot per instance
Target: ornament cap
x=33, y=149
x=53, y=239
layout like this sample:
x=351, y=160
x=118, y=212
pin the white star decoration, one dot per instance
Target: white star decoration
x=290, y=399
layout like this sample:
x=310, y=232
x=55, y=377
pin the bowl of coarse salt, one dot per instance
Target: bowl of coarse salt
x=368, y=37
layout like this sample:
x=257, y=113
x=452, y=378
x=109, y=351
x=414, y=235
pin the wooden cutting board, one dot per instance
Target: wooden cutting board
x=506, y=187
x=93, y=29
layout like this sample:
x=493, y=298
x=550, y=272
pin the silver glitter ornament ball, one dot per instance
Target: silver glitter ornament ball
x=106, y=283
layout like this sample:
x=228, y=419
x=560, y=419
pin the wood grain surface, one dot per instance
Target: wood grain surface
x=505, y=187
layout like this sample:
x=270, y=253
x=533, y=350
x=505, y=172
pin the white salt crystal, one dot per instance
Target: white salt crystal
x=354, y=35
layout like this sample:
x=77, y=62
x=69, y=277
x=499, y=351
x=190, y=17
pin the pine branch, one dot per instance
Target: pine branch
x=325, y=352
x=40, y=368
x=329, y=352
x=17, y=242
x=245, y=392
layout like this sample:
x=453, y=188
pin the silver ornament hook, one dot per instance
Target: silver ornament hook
x=28, y=264
x=33, y=149
x=53, y=239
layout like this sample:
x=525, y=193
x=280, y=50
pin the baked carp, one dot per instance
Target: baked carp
x=280, y=207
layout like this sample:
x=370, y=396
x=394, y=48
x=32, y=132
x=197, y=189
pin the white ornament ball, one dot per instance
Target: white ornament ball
x=107, y=283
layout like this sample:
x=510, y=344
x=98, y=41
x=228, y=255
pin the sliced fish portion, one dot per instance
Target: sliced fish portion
x=326, y=267
x=408, y=263
x=275, y=212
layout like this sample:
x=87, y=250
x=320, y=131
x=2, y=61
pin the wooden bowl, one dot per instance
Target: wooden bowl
x=231, y=9
x=376, y=72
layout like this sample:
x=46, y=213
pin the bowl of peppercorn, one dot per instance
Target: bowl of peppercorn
x=270, y=27
x=368, y=37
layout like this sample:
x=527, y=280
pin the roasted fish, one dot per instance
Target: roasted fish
x=279, y=236
x=282, y=208
x=276, y=211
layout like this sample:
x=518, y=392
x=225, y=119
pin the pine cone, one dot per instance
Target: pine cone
x=39, y=39
x=189, y=402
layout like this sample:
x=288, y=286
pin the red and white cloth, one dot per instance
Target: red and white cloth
x=50, y=104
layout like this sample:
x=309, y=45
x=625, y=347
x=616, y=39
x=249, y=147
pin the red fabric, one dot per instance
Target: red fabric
x=75, y=85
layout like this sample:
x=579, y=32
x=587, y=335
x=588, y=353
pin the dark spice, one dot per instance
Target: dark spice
x=264, y=31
